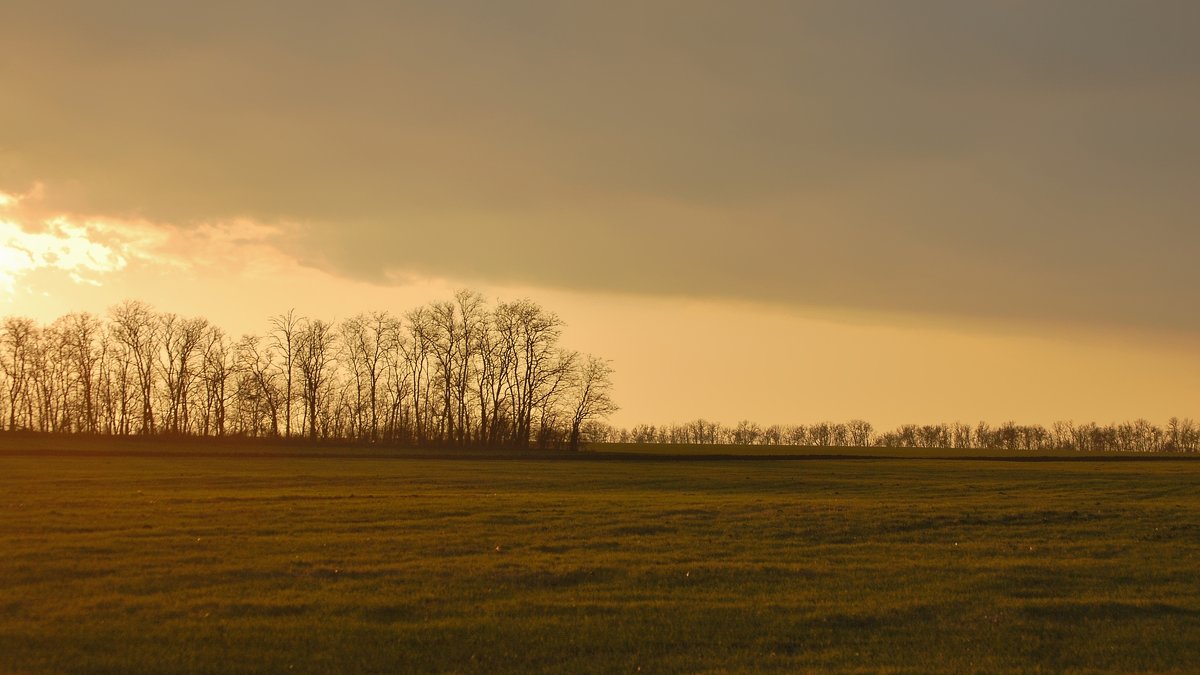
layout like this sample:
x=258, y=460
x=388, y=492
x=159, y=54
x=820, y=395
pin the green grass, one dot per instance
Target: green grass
x=309, y=564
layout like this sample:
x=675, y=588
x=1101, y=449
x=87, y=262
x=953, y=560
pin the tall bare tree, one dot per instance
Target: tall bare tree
x=592, y=389
x=136, y=327
x=417, y=353
x=472, y=316
x=81, y=333
x=314, y=354
x=260, y=394
x=285, y=329
x=366, y=341
x=18, y=338
x=181, y=341
x=531, y=334
x=218, y=366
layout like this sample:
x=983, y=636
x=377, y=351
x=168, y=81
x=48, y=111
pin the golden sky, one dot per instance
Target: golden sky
x=777, y=210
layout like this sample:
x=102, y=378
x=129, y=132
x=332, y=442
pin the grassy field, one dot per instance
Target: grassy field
x=317, y=564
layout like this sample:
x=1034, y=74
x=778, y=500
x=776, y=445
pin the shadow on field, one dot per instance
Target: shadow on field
x=28, y=444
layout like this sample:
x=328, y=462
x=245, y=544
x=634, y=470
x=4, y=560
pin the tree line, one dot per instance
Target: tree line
x=1179, y=435
x=456, y=373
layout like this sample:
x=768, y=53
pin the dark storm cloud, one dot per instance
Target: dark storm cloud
x=1000, y=159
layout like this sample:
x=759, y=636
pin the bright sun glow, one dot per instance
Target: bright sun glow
x=14, y=260
x=87, y=249
x=60, y=245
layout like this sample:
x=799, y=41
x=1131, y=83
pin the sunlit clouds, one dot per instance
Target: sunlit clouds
x=83, y=251
x=61, y=245
x=89, y=249
x=236, y=271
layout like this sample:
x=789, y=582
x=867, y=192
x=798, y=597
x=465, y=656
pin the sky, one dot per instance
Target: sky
x=782, y=211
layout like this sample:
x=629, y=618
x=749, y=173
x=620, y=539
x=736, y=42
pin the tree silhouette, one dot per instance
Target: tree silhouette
x=592, y=389
x=453, y=373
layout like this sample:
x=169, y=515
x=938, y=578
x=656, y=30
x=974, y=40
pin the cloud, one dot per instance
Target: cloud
x=1025, y=161
x=88, y=248
x=55, y=243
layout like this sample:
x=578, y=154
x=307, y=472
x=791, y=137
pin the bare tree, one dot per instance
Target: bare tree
x=115, y=383
x=81, y=332
x=746, y=433
x=472, y=314
x=398, y=385
x=366, y=341
x=285, y=330
x=260, y=393
x=181, y=339
x=218, y=366
x=136, y=327
x=314, y=354
x=496, y=357
x=592, y=386
x=417, y=350
x=859, y=432
x=444, y=342
x=531, y=334
x=52, y=379
x=17, y=338
x=550, y=398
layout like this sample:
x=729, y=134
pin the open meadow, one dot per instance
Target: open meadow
x=118, y=563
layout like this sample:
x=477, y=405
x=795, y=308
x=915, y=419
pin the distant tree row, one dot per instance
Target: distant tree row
x=1138, y=436
x=455, y=373
x=458, y=373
